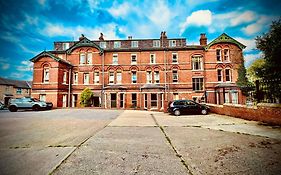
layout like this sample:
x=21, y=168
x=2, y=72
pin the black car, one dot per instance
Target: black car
x=179, y=107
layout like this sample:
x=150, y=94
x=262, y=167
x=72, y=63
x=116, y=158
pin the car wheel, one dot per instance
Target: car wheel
x=204, y=111
x=177, y=112
x=36, y=108
x=13, y=109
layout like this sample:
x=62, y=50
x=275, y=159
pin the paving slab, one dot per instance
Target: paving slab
x=210, y=151
x=124, y=150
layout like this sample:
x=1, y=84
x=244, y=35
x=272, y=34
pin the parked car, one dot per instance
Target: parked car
x=28, y=103
x=2, y=106
x=179, y=107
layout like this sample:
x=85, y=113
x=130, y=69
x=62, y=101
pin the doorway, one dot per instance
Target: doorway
x=96, y=101
x=122, y=100
x=113, y=102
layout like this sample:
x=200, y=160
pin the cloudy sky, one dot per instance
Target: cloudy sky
x=28, y=28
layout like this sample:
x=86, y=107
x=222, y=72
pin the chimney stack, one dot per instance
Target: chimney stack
x=130, y=37
x=101, y=37
x=81, y=37
x=203, y=39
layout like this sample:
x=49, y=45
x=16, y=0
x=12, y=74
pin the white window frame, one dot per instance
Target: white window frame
x=157, y=77
x=75, y=78
x=117, y=44
x=111, y=77
x=229, y=70
x=196, y=82
x=134, y=44
x=115, y=59
x=134, y=74
x=96, y=77
x=86, y=78
x=219, y=55
x=156, y=43
x=197, y=59
x=64, y=77
x=172, y=43
x=42, y=97
x=82, y=59
x=46, y=76
x=65, y=46
x=134, y=62
x=149, y=77
x=221, y=71
x=89, y=58
x=174, y=60
x=153, y=55
x=119, y=77
x=226, y=54
x=175, y=75
x=234, y=97
x=103, y=44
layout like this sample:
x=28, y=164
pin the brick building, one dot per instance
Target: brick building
x=139, y=73
x=13, y=89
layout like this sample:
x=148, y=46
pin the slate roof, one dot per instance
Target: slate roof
x=16, y=83
x=47, y=53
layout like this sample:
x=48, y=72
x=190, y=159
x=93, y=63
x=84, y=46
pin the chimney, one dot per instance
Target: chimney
x=81, y=37
x=130, y=37
x=101, y=37
x=203, y=39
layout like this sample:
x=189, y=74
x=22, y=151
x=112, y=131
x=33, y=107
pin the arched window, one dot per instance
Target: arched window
x=226, y=54
x=219, y=55
x=197, y=62
x=46, y=74
x=227, y=75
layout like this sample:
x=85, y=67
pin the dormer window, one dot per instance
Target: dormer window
x=172, y=43
x=65, y=46
x=134, y=44
x=156, y=43
x=103, y=45
x=117, y=44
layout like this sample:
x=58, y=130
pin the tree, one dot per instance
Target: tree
x=242, y=81
x=270, y=45
x=86, y=97
x=255, y=71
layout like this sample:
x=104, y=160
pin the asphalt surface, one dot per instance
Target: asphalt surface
x=85, y=141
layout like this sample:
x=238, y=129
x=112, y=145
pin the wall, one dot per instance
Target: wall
x=268, y=113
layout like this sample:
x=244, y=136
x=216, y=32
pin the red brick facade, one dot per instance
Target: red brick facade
x=143, y=74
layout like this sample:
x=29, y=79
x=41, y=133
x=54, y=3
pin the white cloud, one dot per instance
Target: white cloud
x=25, y=66
x=27, y=50
x=10, y=37
x=249, y=58
x=120, y=11
x=4, y=66
x=93, y=4
x=250, y=43
x=259, y=25
x=17, y=75
x=197, y=18
x=240, y=18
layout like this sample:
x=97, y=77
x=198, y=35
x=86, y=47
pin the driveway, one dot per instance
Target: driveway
x=76, y=141
x=36, y=142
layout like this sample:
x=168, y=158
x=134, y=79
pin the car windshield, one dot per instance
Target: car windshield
x=34, y=99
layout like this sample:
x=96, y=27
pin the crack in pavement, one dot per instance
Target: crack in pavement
x=188, y=168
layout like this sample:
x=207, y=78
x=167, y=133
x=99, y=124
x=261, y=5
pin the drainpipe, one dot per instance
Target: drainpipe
x=69, y=86
x=102, y=91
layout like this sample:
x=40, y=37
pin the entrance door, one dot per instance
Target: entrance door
x=96, y=101
x=121, y=101
x=74, y=100
x=113, y=101
x=153, y=100
x=145, y=101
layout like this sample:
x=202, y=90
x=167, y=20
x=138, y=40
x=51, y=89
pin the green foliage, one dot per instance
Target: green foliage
x=255, y=71
x=242, y=81
x=86, y=97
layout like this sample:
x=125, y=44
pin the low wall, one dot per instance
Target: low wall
x=268, y=113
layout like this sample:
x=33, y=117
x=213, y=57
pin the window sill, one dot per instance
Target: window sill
x=197, y=70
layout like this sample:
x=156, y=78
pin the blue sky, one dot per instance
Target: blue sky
x=29, y=28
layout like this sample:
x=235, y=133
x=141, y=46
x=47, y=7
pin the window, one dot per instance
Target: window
x=197, y=84
x=226, y=54
x=111, y=77
x=119, y=77
x=219, y=75
x=148, y=77
x=103, y=45
x=65, y=46
x=134, y=44
x=96, y=78
x=19, y=90
x=75, y=77
x=89, y=58
x=133, y=59
x=174, y=57
x=156, y=77
x=42, y=97
x=197, y=62
x=226, y=97
x=172, y=43
x=64, y=100
x=46, y=75
x=117, y=44
x=156, y=43
x=82, y=58
x=175, y=76
x=134, y=77
x=64, y=77
x=234, y=97
x=152, y=58
x=115, y=59
x=176, y=96
x=86, y=78
x=153, y=100
x=227, y=75
x=218, y=52
x=134, y=100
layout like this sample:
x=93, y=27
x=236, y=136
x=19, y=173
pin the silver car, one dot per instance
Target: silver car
x=28, y=103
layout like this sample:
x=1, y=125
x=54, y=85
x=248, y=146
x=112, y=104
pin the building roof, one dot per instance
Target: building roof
x=49, y=54
x=16, y=83
x=224, y=38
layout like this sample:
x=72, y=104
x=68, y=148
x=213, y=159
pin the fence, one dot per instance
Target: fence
x=266, y=91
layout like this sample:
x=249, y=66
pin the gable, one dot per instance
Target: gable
x=224, y=38
x=85, y=42
x=48, y=54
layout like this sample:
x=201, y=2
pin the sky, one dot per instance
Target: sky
x=28, y=28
